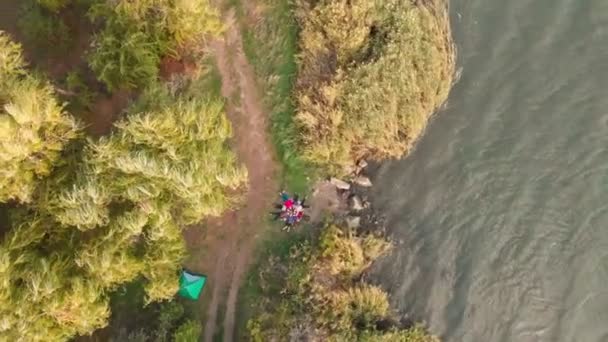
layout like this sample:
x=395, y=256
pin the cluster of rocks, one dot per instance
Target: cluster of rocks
x=354, y=194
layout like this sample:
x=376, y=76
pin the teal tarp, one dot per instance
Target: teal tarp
x=191, y=285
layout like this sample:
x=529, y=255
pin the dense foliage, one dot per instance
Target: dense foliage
x=166, y=321
x=54, y=5
x=136, y=34
x=320, y=297
x=34, y=128
x=370, y=73
x=44, y=32
x=108, y=211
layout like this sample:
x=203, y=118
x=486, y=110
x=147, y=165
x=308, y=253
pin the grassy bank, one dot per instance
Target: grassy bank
x=313, y=292
x=345, y=80
x=270, y=36
x=370, y=74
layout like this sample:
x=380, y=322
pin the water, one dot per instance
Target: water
x=501, y=213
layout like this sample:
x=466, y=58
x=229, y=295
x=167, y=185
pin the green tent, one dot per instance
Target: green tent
x=191, y=285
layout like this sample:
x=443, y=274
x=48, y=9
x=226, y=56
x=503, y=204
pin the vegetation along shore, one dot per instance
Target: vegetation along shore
x=141, y=137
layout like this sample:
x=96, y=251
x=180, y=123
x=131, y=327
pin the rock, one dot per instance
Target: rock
x=362, y=164
x=353, y=222
x=363, y=181
x=351, y=170
x=356, y=204
x=340, y=184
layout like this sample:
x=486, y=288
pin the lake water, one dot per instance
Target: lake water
x=501, y=213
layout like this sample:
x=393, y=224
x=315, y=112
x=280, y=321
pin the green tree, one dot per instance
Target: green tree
x=136, y=34
x=34, y=128
x=123, y=57
x=188, y=332
x=113, y=215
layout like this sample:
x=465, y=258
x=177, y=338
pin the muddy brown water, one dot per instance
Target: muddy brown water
x=501, y=213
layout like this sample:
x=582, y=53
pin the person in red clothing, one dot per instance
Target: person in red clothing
x=287, y=204
x=291, y=210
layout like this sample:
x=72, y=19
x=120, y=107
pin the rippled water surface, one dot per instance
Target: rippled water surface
x=501, y=213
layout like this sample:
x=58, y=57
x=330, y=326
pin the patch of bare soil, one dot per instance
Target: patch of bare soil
x=225, y=251
x=326, y=199
x=171, y=67
x=105, y=111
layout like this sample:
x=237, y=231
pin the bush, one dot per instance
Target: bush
x=166, y=321
x=188, y=332
x=177, y=153
x=189, y=21
x=34, y=129
x=127, y=53
x=12, y=64
x=123, y=57
x=370, y=74
x=44, y=30
x=53, y=5
x=315, y=304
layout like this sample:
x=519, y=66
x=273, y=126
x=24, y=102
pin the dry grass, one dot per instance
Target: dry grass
x=370, y=74
x=317, y=302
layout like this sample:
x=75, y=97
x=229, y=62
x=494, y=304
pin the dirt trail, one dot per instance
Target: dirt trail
x=227, y=247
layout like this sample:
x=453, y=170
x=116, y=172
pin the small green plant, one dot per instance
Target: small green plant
x=166, y=321
x=54, y=5
x=190, y=331
x=80, y=96
x=43, y=29
x=123, y=57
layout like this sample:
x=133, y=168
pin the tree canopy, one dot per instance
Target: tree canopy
x=114, y=214
x=136, y=34
x=34, y=128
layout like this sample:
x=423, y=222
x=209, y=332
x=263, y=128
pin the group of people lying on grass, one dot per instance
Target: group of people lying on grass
x=291, y=210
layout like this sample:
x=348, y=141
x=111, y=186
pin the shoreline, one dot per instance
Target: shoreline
x=370, y=220
x=156, y=171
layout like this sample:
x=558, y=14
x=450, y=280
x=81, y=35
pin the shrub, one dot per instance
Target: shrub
x=53, y=5
x=44, y=30
x=189, y=21
x=345, y=253
x=34, y=129
x=85, y=96
x=367, y=304
x=137, y=33
x=188, y=332
x=177, y=153
x=317, y=305
x=123, y=57
x=166, y=321
x=370, y=74
x=12, y=64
